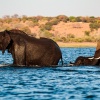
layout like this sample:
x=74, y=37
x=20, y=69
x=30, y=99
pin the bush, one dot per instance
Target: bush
x=45, y=33
x=94, y=26
x=31, y=24
x=79, y=40
x=47, y=27
x=62, y=18
x=54, y=21
x=72, y=19
x=63, y=39
x=57, y=39
x=26, y=30
x=70, y=35
x=88, y=39
x=87, y=33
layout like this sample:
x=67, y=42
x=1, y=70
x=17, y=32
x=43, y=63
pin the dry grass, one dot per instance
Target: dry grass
x=63, y=29
x=85, y=44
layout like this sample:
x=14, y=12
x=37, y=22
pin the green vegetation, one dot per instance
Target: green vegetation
x=94, y=26
x=46, y=33
x=87, y=33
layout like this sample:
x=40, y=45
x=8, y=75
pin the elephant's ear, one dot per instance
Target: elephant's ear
x=6, y=41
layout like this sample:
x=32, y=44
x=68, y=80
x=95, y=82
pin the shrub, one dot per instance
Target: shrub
x=54, y=21
x=87, y=33
x=31, y=24
x=79, y=40
x=63, y=39
x=94, y=26
x=57, y=39
x=62, y=18
x=47, y=26
x=26, y=29
x=72, y=19
x=45, y=33
x=70, y=35
x=88, y=39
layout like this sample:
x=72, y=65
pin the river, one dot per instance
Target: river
x=51, y=83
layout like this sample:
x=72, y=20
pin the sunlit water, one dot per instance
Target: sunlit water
x=59, y=83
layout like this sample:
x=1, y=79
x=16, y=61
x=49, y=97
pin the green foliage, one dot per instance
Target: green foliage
x=64, y=39
x=47, y=27
x=78, y=19
x=48, y=34
x=78, y=40
x=31, y=24
x=45, y=33
x=72, y=19
x=24, y=18
x=57, y=39
x=53, y=22
x=62, y=18
x=88, y=39
x=34, y=19
x=87, y=33
x=70, y=35
x=94, y=26
x=26, y=29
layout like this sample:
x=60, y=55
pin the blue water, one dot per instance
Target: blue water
x=59, y=83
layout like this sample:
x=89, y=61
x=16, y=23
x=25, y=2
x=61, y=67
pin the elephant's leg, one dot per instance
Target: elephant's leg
x=49, y=59
x=56, y=60
x=46, y=60
x=19, y=55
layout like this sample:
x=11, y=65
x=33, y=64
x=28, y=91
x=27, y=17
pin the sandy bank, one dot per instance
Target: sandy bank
x=75, y=44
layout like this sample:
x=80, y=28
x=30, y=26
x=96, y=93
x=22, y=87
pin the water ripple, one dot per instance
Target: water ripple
x=57, y=83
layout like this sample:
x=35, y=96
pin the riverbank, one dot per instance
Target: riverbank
x=75, y=44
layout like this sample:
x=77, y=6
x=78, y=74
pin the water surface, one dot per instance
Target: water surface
x=58, y=83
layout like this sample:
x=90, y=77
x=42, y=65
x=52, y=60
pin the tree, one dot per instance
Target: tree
x=78, y=19
x=94, y=25
x=15, y=16
x=62, y=18
x=6, y=16
x=72, y=19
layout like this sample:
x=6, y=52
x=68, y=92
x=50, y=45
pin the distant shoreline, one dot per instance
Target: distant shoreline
x=77, y=44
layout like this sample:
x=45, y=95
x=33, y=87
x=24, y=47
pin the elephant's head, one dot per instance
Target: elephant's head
x=83, y=61
x=78, y=62
x=4, y=40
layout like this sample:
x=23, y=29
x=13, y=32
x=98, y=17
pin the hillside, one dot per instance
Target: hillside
x=60, y=28
x=64, y=29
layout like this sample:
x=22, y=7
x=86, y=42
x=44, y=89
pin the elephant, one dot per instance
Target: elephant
x=96, y=58
x=98, y=45
x=92, y=61
x=29, y=51
x=85, y=61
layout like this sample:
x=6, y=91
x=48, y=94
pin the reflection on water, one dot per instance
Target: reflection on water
x=59, y=83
